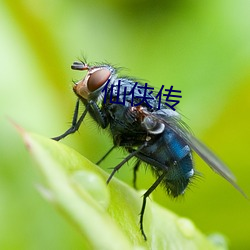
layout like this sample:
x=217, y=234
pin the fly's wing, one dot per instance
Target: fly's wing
x=212, y=160
x=174, y=123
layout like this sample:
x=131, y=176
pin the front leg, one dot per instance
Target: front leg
x=97, y=114
x=75, y=124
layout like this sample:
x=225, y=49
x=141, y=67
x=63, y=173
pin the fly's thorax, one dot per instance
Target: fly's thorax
x=119, y=91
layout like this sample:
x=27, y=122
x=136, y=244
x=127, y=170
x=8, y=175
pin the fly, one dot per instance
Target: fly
x=157, y=137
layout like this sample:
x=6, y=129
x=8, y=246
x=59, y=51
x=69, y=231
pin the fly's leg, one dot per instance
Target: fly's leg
x=124, y=161
x=91, y=107
x=105, y=155
x=136, y=167
x=75, y=124
x=100, y=117
x=145, y=196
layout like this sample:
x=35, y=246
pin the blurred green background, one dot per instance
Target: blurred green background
x=199, y=47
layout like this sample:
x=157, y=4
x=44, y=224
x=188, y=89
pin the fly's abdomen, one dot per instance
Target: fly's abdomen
x=180, y=166
x=170, y=155
x=178, y=176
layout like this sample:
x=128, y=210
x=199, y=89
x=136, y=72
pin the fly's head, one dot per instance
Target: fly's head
x=94, y=80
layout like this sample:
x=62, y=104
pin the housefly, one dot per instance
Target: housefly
x=154, y=136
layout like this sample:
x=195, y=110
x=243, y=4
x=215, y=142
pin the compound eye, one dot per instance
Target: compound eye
x=97, y=79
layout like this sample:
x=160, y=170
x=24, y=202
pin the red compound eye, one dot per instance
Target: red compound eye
x=97, y=79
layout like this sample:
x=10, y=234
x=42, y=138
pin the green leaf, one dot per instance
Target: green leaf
x=107, y=215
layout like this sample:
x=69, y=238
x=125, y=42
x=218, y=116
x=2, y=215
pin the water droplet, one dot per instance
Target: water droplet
x=94, y=185
x=186, y=226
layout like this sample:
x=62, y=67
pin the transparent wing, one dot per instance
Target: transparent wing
x=174, y=123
